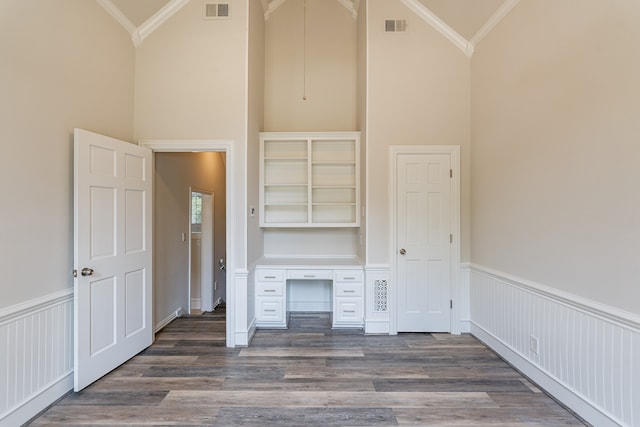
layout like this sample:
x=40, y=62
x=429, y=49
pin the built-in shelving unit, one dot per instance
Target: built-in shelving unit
x=309, y=179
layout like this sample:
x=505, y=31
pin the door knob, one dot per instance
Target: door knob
x=86, y=271
x=402, y=252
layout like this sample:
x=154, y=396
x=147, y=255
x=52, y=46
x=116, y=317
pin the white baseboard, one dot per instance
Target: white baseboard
x=584, y=354
x=376, y=327
x=195, y=304
x=164, y=322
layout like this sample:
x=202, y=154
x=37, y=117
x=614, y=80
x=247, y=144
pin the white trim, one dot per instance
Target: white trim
x=170, y=318
x=454, y=152
x=117, y=14
x=226, y=146
x=23, y=309
x=602, y=311
x=493, y=21
x=156, y=20
x=440, y=26
x=272, y=8
x=348, y=4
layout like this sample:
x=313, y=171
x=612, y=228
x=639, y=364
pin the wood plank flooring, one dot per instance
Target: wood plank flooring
x=309, y=375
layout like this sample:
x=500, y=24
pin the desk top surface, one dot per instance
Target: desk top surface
x=298, y=263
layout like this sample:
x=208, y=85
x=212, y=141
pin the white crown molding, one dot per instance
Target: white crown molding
x=493, y=21
x=147, y=27
x=350, y=7
x=117, y=14
x=272, y=8
x=155, y=21
x=439, y=25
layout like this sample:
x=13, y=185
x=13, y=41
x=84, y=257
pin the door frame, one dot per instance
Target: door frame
x=221, y=146
x=454, y=152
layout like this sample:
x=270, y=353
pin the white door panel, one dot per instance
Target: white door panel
x=423, y=257
x=112, y=245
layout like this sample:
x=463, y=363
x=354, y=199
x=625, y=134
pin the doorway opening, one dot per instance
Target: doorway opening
x=172, y=238
x=203, y=278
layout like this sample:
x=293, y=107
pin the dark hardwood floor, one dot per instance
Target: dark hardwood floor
x=309, y=375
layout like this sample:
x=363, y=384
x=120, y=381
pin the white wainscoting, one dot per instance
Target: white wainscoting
x=587, y=355
x=36, y=360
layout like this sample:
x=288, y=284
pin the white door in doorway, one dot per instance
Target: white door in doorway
x=423, y=253
x=207, y=254
x=112, y=254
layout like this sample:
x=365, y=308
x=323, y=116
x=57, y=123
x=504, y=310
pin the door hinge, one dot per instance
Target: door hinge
x=451, y=304
x=450, y=238
x=450, y=173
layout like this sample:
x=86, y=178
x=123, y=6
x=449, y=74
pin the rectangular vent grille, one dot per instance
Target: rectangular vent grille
x=395, y=25
x=216, y=10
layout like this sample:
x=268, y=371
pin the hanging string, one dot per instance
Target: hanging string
x=304, y=52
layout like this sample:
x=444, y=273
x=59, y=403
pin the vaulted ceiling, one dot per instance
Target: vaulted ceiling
x=464, y=22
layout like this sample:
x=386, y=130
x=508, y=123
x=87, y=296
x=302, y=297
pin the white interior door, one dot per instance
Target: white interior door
x=113, y=253
x=423, y=255
x=207, y=256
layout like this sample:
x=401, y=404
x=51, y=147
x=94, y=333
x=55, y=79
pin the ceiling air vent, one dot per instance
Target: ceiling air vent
x=395, y=25
x=216, y=11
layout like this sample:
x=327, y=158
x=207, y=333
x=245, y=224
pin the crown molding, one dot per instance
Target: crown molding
x=117, y=14
x=439, y=25
x=272, y=8
x=493, y=21
x=156, y=20
x=350, y=7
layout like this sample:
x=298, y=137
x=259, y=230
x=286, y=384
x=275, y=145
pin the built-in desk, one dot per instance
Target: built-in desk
x=346, y=275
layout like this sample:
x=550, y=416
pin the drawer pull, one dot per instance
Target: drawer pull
x=269, y=290
x=349, y=311
x=310, y=275
x=269, y=311
x=348, y=291
x=349, y=278
x=269, y=277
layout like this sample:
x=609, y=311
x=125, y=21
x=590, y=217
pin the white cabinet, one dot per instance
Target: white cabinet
x=270, y=298
x=348, y=297
x=347, y=294
x=309, y=179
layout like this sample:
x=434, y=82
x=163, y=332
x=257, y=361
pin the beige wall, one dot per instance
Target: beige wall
x=555, y=148
x=255, y=125
x=174, y=174
x=330, y=68
x=65, y=64
x=191, y=83
x=361, y=119
x=418, y=95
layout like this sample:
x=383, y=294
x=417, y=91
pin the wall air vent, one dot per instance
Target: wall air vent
x=395, y=26
x=216, y=11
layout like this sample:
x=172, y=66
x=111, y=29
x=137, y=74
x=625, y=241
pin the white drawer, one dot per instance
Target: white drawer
x=348, y=275
x=348, y=289
x=270, y=309
x=348, y=310
x=269, y=275
x=270, y=289
x=309, y=274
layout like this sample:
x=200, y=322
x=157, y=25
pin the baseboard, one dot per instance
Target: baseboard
x=374, y=327
x=195, y=304
x=550, y=384
x=465, y=326
x=168, y=320
x=36, y=404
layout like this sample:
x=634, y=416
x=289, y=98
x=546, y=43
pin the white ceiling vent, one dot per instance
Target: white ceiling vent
x=216, y=11
x=395, y=26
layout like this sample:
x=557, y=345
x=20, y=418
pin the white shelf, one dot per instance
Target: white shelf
x=309, y=179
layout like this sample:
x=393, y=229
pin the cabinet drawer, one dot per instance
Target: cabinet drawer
x=309, y=274
x=270, y=289
x=348, y=275
x=270, y=309
x=348, y=289
x=269, y=275
x=348, y=310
